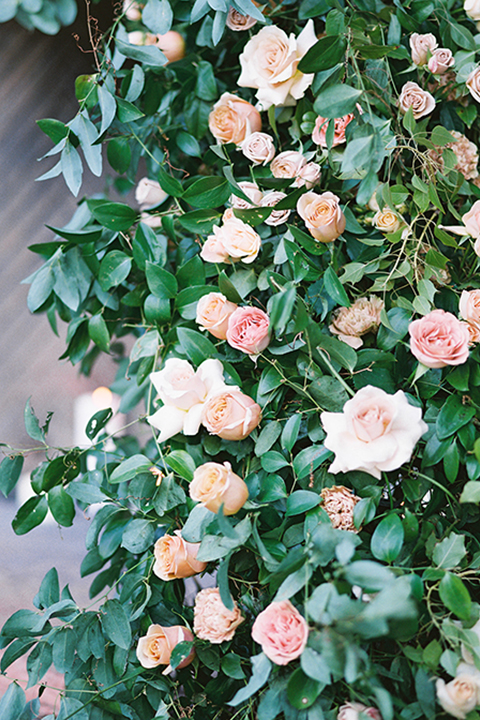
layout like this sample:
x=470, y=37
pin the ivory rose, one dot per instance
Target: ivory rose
x=213, y=311
x=155, y=648
x=270, y=63
x=439, y=339
x=350, y=323
x=352, y=711
x=281, y=631
x=259, y=148
x=214, y=484
x=339, y=503
x=420, y=45
x=175, y=558
x=212, y=621
x=237, y=22
x=387, y=221
x=308, y=175
x=421, y=102
x=231, y=415
x=248, y=330
x=132, y=9
x=469, y=306
x=287, y=164
x=472, y=9
x=322, y=215
x=473, y=83
x=183, y=392
x=252, y=191
x=375, y=432
x=233, y=241
x=462, y=694
x=320, y=130
x=442, y=59
x=233, y=119
x=148, y=193
x=276, y=217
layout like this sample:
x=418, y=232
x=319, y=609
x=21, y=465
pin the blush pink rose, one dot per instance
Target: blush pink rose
x=231, y=415
x=442, y=59
x=352, y=710
x=248, y=330
x=439, y=339
x=420, y=46
x=322, y=214
x=281, y=631
x=469, y=306
x=321, y=126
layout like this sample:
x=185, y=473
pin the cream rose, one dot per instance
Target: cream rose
x=439, y=339
x=214, y=484
x=233, y=241
x=148, y=193
x=421, y=102
x=472, y=9
x=387, y=221
x=270, y=63
x=308, y=175
x=469, y=306
x=175, y=558
x=350, y=323
x=259, y=148
x=287, y=164
x=471, y=225
x=352, y=711
x=156, y=647
x=339, y=503
x=462, y=694
x=322, y=215
x=213, y=311
x=420, y=45
x=442, y=59
x=212, y=621
x=473, y=84
x=252, y=191
x=237, y=22
x=340, y=125
x=249, y=330
x=231, y=415
x=281, y=631
x=276, y=217
x=233, y=119
x=375, y=432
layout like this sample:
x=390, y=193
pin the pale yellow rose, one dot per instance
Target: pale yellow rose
x=259, y=148
x=237, y=22
x=233, y=119
x=322, y=215
x=339, y=503
x=156, y=647
x=148, y=193
x=387, y=221
x=473, y=83
x=214, y=484
x=287, y=164
x=175, y=558
x=462, y=694
x=212, y=621
x=413, y=96
x=213, y=311
x=420, y=45
x=231, y=415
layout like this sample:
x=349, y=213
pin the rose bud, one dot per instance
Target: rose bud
x=322, y=215
x=420, y=45
x=148, y=193
x=231, y=415
x=233, y=119
x=212, y=620
x=156, y=647
x=473, y=84
x=172, y=44
x=175, y=558
x=213, y=312
x=214, y=484
x=441, y=60
x=248, y=330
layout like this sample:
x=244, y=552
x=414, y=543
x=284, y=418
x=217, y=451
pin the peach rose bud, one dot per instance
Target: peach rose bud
x=320, y=130
x=233, y=119
x=175, y=558
x=148, y=193
x=421, y=102
x=231, y=415
x=442, y=59
x=214, y=484
x=213, y=311
x=322, y=215
x=259, y=148
x=387, y=221
x=439, y=339
x=156, y=647
x=281, y=631
x=212, y=621
x=172, y=44
x=249, y=330
x=420, y=45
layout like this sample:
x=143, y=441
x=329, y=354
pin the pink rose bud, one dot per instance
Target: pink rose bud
x=420, y=46
x=281, y=631
x=248, y=330
x=442, y=59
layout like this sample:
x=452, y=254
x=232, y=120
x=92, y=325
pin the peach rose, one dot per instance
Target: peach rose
x=155, y=648
x=281, y=631
x=252, y=191
x=387, y=221
x=441, y=60
x=462, y=694
x=270, y=63
x=469, y=306
x=233, y=119
x=148, y=193
x=172, y=44
x=287, y=164
x=214, y=484
x=308, y=175
x=259, y=148
x=421, y=102
x=322, y=215
x=237, y=22
x=320, y=130
x=473, y=333
x=233, y=241
x=175, y=558
x=213, y=311
x=350, y=323
x=276, y=217
x=473, y=84
x=352, y=711
x=420, y=45
x=249, y=330
x=375, y=432
x=339, y=503
x=212, y=621
x=231, y=415
x=439, y=339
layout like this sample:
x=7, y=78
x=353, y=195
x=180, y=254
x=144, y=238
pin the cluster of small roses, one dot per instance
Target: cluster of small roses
x=245, y=328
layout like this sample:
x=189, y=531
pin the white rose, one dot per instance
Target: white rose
x=462, y=694
x=270, y=63
x=148, y=193
x=376, y=431
x=259, y=148
x=472, y=8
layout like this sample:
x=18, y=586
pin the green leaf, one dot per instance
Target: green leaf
x=10, y=469
x=454, y=596
x=157, y=15
x=115, y=216
x=97, y=422
x=208, y=192
x=199, y=221
x=449, y=552
x=272, y=461
x=222, y=582
x=452, y=416
x=294, y=582
x=168, y=496
x=300, y=501
x=269, y=434
x=309, y=459
x=87, y=133
x=160, y=282
x=281, y=306
x=196, y=346
x=138, y=535
x=72, y=168
x=115, y=624
x=108, y=106
x=55, y=129
x=188, y=144
x=329, y=393
x=290, y=432
x=369, y=575
x=326, y=53
x=86, y=235
x=181, y=463
x=336, y=350
x=180, y=652
x=64, y=644
x=61, y=506
x=31, y=514
x=98, y=332
x=302, y=691
x=86, y=492
x=38, y=663
x=471, y=492
x=261, y=672
x=231, y=666
x=14, y=651
x=337, y=101
x=114, y=269
x=13, y=702
x=127, y=112
x=31, y=424
x=129, y=468
x=387, y=540
x=119, y=154
x=170, y=184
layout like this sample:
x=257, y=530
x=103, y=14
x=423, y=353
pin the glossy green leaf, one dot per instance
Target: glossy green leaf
x=452, y=416
x=115, y=624
x=455, y=596
x=387, y=540
x=326, y=53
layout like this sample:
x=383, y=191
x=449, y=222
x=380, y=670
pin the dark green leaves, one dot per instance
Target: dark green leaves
x=115, y=216
x=31, y=514
x=116, y=624
x=387, y=540
x=336, y=101
x=209, y=192
x=10, y=469
x=452, y=416
x=326, y=53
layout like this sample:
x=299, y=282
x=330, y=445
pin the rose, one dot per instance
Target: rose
x=287, y=164
x=233, y=119
x=469, y=306
x=213, y=311
x=153, y=221
x=340, y=125
x=214, y=484
x=339, y=503
x=248, y=330
x=421, y=102
x=231, y=415
x=375, y=432
x=476, y=247
x=212, y=621
x=308, y=175
x=439, y=339
x=281, y=631
x=472, y=220
x=252, y=191
x=156, y=647
x=420, y=45
x=234, y=240
x=473, y=83
x=276, y=217
x=352, y=711
x=138, y=37
x=386, y=221
x=270, y=63
x=175, y=558
x=259, y=148
x=349, y=323
x=148, y=193
x=132, y=10
x=441, y=60
x=462, y=694
x=472, y=8
x=172, y=44
x=237, y=22
x=183, y=392
x=322, y=215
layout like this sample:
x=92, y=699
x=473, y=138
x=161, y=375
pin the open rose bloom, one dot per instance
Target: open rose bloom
x=212, y=621
x=323, y=215
x=214, y=484
x=231, y=415
x=376, y=432
x=439, y=339
x=462, y=694
x=231, y=242
x=340, y=125
x=176, y=558
x=339, y=503
x=281, y=631
x=249, y=330
x=362, y=317
x=156, y=647
x=233, y=119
